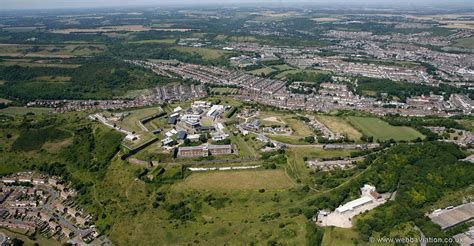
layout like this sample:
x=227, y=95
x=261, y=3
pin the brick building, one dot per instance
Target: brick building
x=204, y=150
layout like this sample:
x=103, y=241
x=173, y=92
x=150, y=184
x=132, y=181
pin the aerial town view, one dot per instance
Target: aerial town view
x=286, y=122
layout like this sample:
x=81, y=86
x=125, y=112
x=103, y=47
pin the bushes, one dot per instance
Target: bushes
x=33, y=139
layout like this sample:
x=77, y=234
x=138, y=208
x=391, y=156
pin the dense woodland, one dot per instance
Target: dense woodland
x=99, y=78
x=421, y=174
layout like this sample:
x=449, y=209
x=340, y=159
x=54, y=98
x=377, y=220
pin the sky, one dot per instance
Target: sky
x=55, y=4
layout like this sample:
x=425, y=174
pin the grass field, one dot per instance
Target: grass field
x=130, y=122
x=237, y=212
x=381, y=130
x=282, y=67
x=263, y=70
x=68, y=50
x=224, y=90
x=334, y=236
x=4, y=100
x=171, y=62
x=244, y=148
x=296, y=166
x=467, y=43
x=24, y=110
x=156, y=41
x=205, y=53
x=340, y=125
x=300, y=129
x=31, y=63
x=294, y=71
x=237, y=180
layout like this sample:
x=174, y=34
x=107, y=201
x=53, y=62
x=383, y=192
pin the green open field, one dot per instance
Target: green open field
x=4, y=100
x=340, y=125
x=237, y=180
x=68, y=50
x=130, y=122
x=467, y=43
x=205, y=53
x=263, y=70
x=294, y=71
x=24, y=110
x=40, y=63
x=254, y=216
x=282, y=67
x=244, y=148
x=296, y=167
x=300, y=128
x=156, y=41
x=171, y=62
x=222, y=90
x=381, y=130
x=334, y=236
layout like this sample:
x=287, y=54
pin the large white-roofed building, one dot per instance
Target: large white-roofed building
x=354, y=204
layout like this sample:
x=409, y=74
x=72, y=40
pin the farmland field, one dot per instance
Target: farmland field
x=237, y=180
x=381, y=130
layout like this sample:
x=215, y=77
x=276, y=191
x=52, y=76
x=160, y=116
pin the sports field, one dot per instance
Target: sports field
x=237, y=180
x=381, y=130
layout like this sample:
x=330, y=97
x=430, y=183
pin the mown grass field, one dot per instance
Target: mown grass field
x=340, y=125
x=381, y=130
x=237, y=180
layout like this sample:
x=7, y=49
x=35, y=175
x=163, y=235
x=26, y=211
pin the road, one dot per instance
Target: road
x=422, y=236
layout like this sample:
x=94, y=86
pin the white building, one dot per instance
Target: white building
x=201, y=104
x=214, y=111
x=177, y=109
x=354, y=204
x=368, y=195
